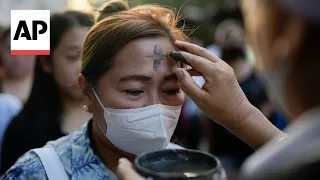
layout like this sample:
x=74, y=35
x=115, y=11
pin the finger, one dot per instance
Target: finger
x=189, y=86
x=198, y=63
x=125, y=171
x=193, y=72
x=197, y=50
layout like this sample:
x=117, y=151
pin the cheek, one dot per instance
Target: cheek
x=65, y=74
x=176, y=100
x=113, y=98
x=259, y=27
x=61, y=77
x=181, y=99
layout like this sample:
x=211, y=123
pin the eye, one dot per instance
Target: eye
x=73, y=57
x=134, y=92
x=172, y=92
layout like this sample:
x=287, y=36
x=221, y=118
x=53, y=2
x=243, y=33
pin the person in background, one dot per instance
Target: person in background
x=10, y=105
x=55, y=106
x=130, y=88
x=19, y=70
x=251, y=82
x=229, y=31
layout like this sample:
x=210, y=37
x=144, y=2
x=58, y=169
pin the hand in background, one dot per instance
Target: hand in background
x=125, y=171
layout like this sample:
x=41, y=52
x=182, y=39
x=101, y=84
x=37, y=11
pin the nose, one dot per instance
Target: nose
x=153, y=98
x=78, y=69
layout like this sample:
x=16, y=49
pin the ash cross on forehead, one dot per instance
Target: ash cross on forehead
x=158, y=56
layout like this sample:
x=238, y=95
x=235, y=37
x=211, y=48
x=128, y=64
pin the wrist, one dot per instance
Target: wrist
x=244, y=111
x=252, y=126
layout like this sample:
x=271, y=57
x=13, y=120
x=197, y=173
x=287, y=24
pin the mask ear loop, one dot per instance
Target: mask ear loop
x=97, y=97
x=104, y=109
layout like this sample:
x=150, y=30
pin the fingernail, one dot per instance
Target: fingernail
x=179, y=74
x=177, y=56
x=178, y=41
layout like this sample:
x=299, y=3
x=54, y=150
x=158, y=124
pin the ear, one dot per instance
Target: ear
x=88, y=101
x=46, y=65
x=288, y=43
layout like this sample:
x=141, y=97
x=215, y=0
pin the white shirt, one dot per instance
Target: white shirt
x=300, y=148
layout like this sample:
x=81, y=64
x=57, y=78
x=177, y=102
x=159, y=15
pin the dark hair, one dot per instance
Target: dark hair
x=110, y=34
x=112, y=7
x=232, y=53
x=43, y=110
x=4, y=33
x=1, y=64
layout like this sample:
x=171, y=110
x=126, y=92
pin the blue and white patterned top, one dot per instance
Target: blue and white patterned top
x=10, y=106
x=76, y=155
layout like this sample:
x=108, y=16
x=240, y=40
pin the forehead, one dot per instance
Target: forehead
x=74, y=37
x=144, y=55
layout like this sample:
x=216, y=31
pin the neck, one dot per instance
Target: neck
x=69, y=104
x=242, y=69
x=107, y=152
x=74, y=115
x=19, y=87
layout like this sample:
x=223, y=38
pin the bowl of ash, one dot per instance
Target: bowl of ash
x=179, y=164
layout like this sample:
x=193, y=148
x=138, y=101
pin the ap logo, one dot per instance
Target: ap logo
x=30, y=32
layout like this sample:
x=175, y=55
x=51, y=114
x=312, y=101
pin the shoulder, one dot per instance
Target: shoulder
x=64, y=144
x=29, y=166
x=9, y=106
x=279, y=157
x=10, y=101
x=63, y=148
x=68, y=147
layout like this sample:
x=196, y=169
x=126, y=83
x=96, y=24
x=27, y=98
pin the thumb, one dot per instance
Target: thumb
x=125, y=171
x=189, y=86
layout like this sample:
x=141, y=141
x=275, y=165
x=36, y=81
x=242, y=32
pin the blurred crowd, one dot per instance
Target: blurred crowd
x=40, y=100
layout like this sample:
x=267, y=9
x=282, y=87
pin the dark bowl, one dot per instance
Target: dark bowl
x=179, y=164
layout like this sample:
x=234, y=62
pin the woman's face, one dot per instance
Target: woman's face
x=142, y=75
x=16, y=66
x=263, y=25
x=66, y=62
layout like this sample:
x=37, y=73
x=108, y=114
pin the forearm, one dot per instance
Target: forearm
x=253, y=127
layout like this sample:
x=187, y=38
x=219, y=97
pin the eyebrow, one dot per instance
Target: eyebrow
x=135, y=78
x=144, y=78
x=170, y=77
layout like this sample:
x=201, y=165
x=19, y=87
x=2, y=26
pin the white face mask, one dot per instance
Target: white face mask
x=140, y=130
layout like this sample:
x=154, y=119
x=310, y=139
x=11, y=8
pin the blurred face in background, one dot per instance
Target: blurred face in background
x=66, y=63
x=256, y=22
x=259, y=20
x=229, y=32
x=15, y=66
x=276, y=38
